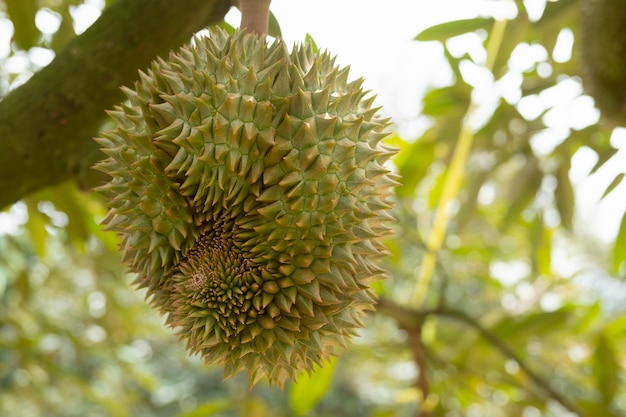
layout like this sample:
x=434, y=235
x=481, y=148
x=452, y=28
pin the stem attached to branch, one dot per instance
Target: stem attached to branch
x=255, y=15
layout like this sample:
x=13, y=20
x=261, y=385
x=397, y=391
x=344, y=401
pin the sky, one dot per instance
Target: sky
x=376, y=40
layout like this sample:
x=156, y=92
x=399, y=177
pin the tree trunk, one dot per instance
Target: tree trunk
x=47, y=124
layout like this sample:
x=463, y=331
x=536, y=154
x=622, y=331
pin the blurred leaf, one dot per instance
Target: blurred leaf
x=434, y=194
x=22, y=14
x=619, y=247
x=208, y=408
x=595, y=409
x=534, y=84
x=273, y=27
x=517, y=329
x=66, y=32
x=412, y=162
x=309, y=39
x=469, y=196
x=556, y=16
x=443, y=101
x=616, y=181
x=385, y=413
x=309, y=390
x=36, y=227
x=66, y=198
x=253, y=407
x=589, y=319
x=516, y=32
x=616, y=329
x=556, y=9
x=605, y=368
x=447, y=30
x=22, y=286
x=527, y=181
x=541, y=240
x=603, y=156
x=564, y=195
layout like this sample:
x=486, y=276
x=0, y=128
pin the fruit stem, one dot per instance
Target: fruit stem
x=255, y=16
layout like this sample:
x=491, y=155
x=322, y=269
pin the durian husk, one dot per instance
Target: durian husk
x=250, y=195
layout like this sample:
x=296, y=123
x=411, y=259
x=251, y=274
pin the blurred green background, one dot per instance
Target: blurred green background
x=521, y=314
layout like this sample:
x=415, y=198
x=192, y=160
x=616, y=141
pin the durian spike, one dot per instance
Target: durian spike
x=255, y=16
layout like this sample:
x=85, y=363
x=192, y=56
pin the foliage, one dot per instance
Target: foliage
x=521, y=315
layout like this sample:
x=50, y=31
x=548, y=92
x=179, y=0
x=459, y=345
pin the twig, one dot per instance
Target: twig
x=506, y=351
x=412, y=324
x=409, y=318
x=419, y=356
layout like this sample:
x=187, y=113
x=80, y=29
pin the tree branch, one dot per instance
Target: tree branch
x=419, y=357
x=412, y=318
x=509, y=353
x=46, y=125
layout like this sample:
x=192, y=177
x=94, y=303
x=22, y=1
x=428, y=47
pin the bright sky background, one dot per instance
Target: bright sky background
x=376, y=39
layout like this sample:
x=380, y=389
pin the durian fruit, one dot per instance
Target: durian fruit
x=249, y=191
x=603, y=55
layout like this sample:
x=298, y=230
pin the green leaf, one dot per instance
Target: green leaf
x=527, y=181
x=443, y=101
x=541, y=241
x=66, y=30
x=208, y=408
x=619, y=247
x=66, y=198
x=273, y=27
x=36, y=227
x=592, y=408
x=517, y=329
x=605, y=368
x=603, y=157
x=556, y=9
x=309, y=390
x=22, y=14
x=467, y=210
x=444, y=31
x=413, y=162
x=616, y=181
x=309, y=39
x=516, y=32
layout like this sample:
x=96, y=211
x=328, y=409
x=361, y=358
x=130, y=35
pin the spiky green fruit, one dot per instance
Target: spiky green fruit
x=249, y=192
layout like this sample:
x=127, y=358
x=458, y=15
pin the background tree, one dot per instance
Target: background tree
x=501, y=302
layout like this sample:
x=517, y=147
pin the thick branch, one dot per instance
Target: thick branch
x=46, y=125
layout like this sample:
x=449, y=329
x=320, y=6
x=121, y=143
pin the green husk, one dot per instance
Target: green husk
x=249, y=191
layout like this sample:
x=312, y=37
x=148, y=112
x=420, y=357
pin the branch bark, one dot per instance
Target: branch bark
x=410, y=318
x=46, y=125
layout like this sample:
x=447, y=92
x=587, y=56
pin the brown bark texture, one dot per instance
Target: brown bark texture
x=47, y=124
